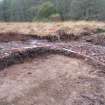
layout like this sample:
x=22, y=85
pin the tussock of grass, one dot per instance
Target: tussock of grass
x=52, y=28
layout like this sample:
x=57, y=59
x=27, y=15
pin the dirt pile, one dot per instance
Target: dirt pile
x=97, y=39
x=15, y=52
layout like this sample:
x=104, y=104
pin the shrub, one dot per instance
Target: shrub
x=46, y=9
x=63, y=8
x=55, y=17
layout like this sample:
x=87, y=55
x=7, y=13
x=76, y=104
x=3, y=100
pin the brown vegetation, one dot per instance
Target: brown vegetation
x=45, y=29
x=51, y=31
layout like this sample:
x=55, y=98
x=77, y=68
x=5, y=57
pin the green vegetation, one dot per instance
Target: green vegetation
x=32, y=10
x=46, y=9
x=88, y=9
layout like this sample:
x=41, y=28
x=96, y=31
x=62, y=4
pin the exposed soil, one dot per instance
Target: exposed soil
x=52, y=80
x=52, y=73
x=17, y=51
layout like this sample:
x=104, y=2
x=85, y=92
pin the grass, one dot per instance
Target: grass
x=51, y=28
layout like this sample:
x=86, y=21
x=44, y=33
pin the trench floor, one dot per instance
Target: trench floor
x=52, y=80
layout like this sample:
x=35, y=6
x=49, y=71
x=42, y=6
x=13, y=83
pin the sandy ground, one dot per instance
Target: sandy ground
x=47, y=81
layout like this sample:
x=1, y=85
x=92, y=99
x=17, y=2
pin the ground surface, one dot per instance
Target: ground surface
x=47, y=81
x=78, y=78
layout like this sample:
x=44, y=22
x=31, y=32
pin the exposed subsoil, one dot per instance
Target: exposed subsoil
x=52, y=73
x=52, y=80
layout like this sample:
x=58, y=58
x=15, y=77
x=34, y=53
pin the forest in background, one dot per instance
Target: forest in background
x=48, y=10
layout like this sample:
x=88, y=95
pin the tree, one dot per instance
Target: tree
x=1, y=12
x=5, y=9
x=63, y=7
x=27, y=10
x=46, y=9
x=17, y=10
x=88, y=9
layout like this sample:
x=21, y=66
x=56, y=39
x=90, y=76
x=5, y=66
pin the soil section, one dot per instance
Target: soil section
x=52, y=80
x=46, y=76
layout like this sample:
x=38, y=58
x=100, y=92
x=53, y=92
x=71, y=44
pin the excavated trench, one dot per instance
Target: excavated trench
x=49, y=72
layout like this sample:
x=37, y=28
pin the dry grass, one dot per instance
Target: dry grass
x=51, y=28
